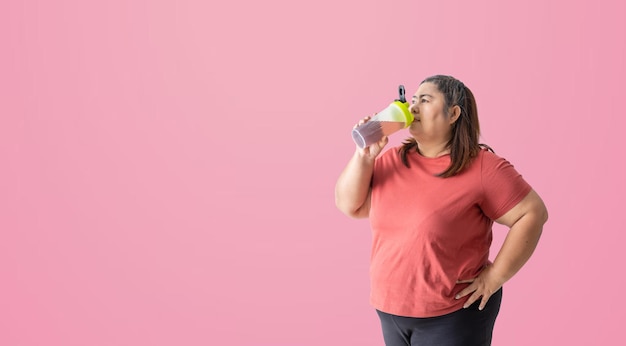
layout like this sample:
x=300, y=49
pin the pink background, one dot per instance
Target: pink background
x=168, y=166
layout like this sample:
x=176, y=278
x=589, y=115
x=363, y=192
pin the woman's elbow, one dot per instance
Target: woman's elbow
x=542, y=211
x=544, y=214
x=355, y=212
x=349, y=211
x=538, y=208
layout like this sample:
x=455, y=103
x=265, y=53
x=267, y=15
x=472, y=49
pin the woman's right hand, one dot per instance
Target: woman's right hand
x=374, y=149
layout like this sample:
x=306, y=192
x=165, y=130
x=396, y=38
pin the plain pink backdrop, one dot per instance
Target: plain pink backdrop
x=168, y=166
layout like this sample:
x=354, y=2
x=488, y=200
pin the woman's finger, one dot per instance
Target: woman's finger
x=473, y=298
x=362, y=121
x=383, y=141
x=484, y=301
x=467, y=290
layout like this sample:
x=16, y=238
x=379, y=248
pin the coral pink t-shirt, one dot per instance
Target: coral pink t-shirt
x=428, y=232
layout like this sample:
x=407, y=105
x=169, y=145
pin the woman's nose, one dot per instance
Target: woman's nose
x=413, y=108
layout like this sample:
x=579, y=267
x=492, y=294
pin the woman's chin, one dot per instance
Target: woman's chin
x=415, y=133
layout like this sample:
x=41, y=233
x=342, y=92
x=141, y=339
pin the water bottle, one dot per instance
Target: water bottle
x=390, y=120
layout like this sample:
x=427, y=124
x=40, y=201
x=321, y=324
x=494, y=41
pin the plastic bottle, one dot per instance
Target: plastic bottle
x=390, y=120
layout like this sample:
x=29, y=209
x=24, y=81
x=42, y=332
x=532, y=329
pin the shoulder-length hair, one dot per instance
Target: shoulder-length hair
x=463, y=144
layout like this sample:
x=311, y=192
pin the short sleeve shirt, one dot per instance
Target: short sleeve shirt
x=428, y=232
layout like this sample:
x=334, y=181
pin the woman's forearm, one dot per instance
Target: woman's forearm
x=353, y=185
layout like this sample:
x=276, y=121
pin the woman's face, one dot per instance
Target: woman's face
x=432, y=123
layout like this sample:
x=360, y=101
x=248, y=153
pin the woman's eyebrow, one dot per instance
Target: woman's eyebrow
x=422, y=95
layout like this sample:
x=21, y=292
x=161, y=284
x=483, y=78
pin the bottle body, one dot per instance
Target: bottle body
x=388, y=121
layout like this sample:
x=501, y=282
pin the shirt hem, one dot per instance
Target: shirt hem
x=417, y=313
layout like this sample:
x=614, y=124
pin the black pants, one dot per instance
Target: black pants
x=465, y=327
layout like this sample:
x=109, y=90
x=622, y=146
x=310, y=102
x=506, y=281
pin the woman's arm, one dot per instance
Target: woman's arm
x=353, y=191
x=526, y=220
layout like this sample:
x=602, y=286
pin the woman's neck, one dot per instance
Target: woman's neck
x=433, y=150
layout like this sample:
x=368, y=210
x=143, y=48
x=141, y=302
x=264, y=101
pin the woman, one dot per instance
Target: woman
x=431, y=204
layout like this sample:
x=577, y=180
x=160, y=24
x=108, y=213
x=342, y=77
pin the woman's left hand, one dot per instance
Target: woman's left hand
x=486, y=284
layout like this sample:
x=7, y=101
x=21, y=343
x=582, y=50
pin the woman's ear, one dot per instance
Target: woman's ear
x=456, y=113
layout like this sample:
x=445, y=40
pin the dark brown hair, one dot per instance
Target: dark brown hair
x=463, y=144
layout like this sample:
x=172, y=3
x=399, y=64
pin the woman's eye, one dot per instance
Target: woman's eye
x=423, y=100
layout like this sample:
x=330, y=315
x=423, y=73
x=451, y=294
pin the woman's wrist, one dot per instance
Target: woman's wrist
x=364, y=157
